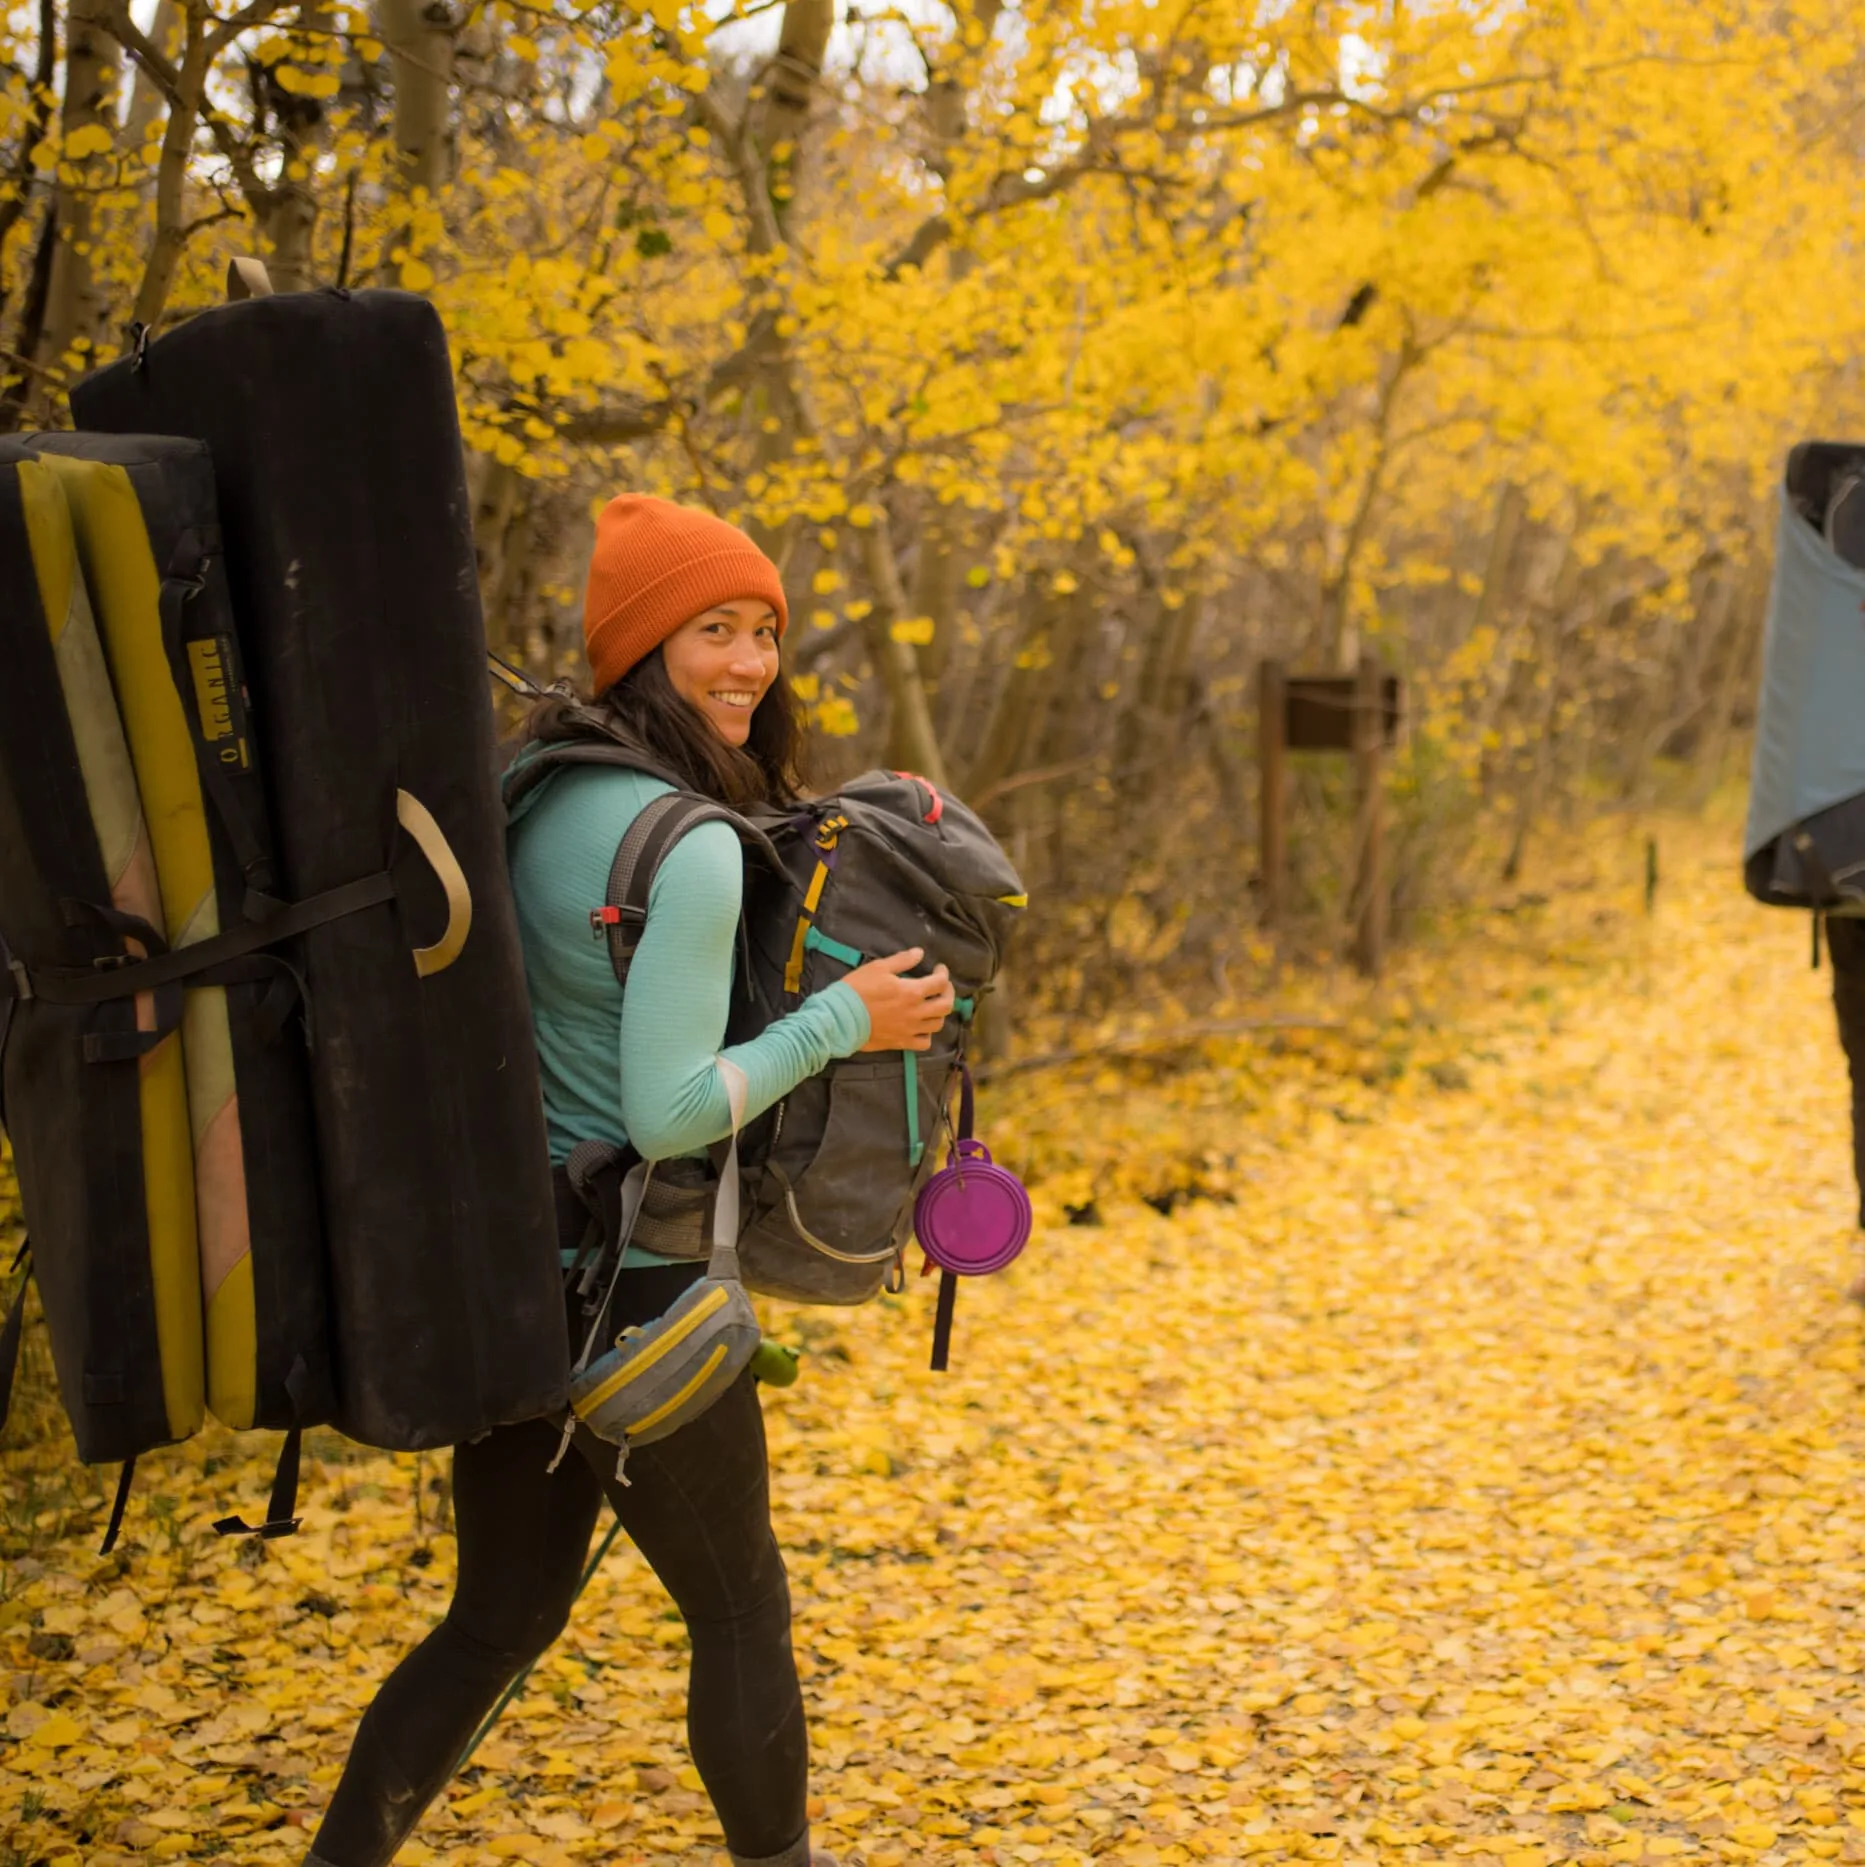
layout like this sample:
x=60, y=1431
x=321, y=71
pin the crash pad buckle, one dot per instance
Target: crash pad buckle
x=22, y=981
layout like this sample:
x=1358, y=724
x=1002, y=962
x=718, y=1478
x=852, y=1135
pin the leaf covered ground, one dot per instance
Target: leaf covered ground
x=1465, y=1463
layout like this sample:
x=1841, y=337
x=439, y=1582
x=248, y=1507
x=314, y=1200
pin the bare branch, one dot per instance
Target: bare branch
x=167, y=80
x=254, y=14
x=617, y=422
x=1009, y=190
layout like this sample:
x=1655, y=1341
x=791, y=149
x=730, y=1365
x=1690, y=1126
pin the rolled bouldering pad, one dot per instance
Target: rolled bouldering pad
x=349, y=558
x=1804, y=845
x=94, y=1098
x=144, y=518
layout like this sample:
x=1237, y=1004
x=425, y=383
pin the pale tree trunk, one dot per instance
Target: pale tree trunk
x=18, y=193
x=495, y=494
x=948, y=110
x=765, y=158
x=802, y=45
x=513, y=594
x=1004, y=732
x=171, y=175
x=1159, y=701
x=74, y=308
x=146, y=101
x=1674, y=693
x=911, y=742
x=1046, y=740
x=420, y=37
x=1747, y=610
x=769, y=170
x=502, y=541
x=1532, y=791
x=24, y=385
x=935, y=592
x=1564, y=631
x=1563, y=590
x=1510, y=508
x=948, y=95
x=291, y=226
x=1688, y=721
x=1340, y=635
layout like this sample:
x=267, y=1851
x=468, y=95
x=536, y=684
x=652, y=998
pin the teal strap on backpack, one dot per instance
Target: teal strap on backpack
x=816, y=941
x=819, y=942
x=910, y=1068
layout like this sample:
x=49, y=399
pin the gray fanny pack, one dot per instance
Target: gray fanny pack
x=654, y=1378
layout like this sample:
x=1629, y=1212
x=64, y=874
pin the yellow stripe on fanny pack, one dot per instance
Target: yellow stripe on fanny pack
x=685, y=1394
x=709, y=1305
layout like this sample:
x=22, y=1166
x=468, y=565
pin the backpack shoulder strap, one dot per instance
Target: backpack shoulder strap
x=590, y=738
x=645, y=845
x=522, y=777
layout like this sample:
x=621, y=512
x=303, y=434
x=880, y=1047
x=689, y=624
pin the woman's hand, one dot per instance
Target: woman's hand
x=903, y=1014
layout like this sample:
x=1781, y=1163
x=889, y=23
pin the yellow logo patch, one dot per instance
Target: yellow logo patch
x=215, y=699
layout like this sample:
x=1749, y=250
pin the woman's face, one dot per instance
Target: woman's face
x=724, y=662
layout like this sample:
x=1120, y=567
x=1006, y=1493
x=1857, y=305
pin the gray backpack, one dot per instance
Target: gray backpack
x=828, y=1175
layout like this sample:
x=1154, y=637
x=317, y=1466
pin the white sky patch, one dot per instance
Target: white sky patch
x=1362, y=67
x=885, y=48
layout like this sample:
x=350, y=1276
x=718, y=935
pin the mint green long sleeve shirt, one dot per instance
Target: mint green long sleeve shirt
x=639, y=1070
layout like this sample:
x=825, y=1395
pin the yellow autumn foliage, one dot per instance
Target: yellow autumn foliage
x=1280, y=289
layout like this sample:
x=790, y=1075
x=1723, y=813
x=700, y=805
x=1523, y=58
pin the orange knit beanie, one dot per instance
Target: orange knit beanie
x=656, y=566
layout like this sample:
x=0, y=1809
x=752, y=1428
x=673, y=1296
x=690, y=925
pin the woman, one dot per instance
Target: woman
x=682, y=624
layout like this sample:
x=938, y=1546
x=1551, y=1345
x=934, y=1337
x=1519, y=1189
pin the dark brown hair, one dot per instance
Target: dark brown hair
x=645, y=708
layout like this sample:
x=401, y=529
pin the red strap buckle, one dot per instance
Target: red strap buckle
x=936, y=809
x=602, y=919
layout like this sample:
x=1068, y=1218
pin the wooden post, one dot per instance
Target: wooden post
x=1369, y=886
x=1272, y=751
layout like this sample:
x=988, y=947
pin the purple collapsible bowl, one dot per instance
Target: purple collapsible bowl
x=972, y=1217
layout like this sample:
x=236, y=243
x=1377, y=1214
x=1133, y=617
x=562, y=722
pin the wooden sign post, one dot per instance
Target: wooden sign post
x=1355, y=713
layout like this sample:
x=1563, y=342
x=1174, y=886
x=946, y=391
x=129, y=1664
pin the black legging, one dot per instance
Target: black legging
x=1845, y=940
x=697, y=1506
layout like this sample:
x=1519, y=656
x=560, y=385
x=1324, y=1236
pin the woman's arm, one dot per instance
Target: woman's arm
x=679, y=996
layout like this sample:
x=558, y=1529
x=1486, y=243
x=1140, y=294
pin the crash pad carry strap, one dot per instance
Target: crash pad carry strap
x=281, y=1517
x=1813, y=866
x=223, y=755
x=11, y=1330
x=8, y=999
x=122, y=976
